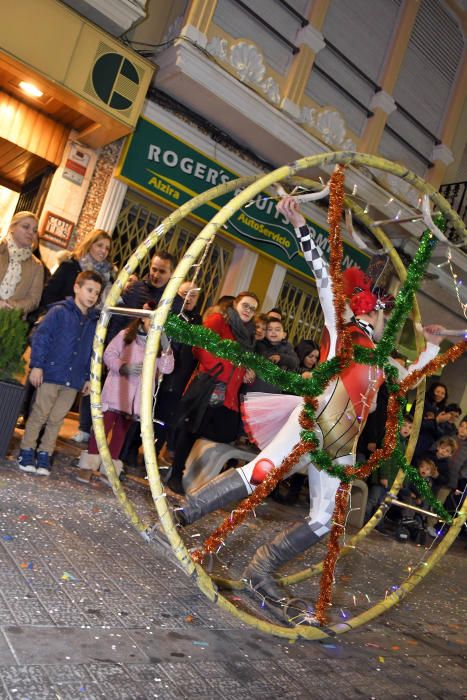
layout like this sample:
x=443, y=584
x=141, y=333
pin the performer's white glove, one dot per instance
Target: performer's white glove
x=290, y=208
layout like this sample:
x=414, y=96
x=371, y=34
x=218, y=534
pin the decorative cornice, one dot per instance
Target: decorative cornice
x=247, y=62
x=442, y=153
x=311, y=37
x=330, y=126
x=383, y=100
x=204, y=86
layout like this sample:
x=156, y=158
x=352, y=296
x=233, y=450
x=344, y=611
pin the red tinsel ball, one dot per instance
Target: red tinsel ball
x=261, y=470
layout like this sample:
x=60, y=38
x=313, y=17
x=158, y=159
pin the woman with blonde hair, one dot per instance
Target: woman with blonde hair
x=21, y=273
x=92, y=253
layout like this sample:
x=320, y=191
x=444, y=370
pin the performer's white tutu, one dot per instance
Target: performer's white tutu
x=265, y=414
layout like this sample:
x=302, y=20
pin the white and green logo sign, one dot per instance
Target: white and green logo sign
x=161, y=164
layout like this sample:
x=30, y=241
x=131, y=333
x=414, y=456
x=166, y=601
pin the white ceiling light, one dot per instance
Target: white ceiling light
x=30, y=89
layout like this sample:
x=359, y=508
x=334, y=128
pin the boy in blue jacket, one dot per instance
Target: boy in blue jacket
x=60, y=359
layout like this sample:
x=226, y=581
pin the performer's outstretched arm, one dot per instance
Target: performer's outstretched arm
x=314, y=257
x=433, y=340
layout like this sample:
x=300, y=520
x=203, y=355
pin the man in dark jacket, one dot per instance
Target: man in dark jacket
x=60, y=358
x=150, y=289
x=174, y=384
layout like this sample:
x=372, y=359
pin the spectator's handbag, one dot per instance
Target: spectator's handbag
x=197, y=398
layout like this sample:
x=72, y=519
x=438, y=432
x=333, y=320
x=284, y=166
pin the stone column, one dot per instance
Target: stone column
x=274, y=288
x=197, y=20
x=384, y=105
x=240, y=272
x=311, y=41
x=442, y=158
x=111, y=205
x=442, y=155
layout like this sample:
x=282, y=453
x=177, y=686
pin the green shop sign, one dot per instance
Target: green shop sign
x=163, y=165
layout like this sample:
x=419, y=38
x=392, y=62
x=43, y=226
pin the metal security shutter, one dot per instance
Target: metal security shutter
x=361, y=31
x=138, y=217
x=301, y=310
x=238, y=23
x=430, y=65
x=425, y=82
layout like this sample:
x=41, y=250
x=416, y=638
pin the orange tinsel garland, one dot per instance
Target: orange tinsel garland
x=214, y=541
x=345, y=355
x=335, y=209
x=333, y=549
x=405, y=385
x=454, y=352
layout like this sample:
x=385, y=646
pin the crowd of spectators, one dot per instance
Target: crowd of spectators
x=62, y=314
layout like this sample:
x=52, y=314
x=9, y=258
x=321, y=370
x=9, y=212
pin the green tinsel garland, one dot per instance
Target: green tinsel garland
x=422, y=486
x=291, y=383
x=404, y=299
x=199, y=336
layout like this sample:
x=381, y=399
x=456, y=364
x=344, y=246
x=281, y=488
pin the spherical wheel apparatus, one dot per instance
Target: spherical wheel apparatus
x=252, y=186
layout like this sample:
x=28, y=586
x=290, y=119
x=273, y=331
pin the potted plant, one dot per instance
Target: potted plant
x=13, y=337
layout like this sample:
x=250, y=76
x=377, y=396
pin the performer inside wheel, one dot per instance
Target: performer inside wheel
x=340, y=417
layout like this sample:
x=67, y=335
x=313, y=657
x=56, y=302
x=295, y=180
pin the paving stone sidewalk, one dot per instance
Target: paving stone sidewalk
x=89, y=610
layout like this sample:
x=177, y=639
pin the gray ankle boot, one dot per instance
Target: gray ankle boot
x=269, y=557
x=226, y=488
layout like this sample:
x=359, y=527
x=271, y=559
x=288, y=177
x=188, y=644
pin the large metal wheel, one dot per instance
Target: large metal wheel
x=252, y=186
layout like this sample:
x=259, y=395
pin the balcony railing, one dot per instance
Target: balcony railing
x=456, y=194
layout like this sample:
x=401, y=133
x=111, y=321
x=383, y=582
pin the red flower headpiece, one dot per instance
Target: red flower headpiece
x=358, y=290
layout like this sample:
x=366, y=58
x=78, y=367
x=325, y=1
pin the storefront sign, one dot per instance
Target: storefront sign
x=57, y=230
x=163, y=165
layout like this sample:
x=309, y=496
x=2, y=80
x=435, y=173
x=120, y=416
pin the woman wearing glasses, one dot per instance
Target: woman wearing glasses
x=221, y=421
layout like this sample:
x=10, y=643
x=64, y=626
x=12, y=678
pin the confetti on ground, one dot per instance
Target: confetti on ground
x=67, y=577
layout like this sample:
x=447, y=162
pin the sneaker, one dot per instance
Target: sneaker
x=81, y=436
x=43, y=464
x=27, y=461
x=432, y=531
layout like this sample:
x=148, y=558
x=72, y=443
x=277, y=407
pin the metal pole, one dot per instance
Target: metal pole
x=136, y=313
x=394, y=501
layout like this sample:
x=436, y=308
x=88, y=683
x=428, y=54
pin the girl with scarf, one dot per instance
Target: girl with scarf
x=21, y=273
x=220, y=422
x=93, y=253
